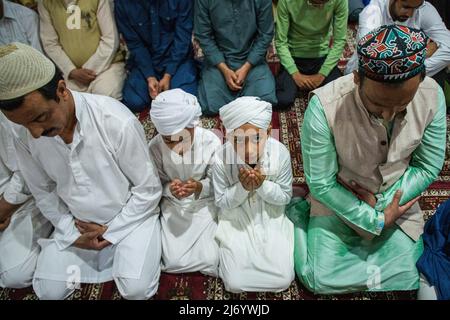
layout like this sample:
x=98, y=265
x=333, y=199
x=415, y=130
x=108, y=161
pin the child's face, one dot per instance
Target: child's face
x=181, y=142
x=249, y=142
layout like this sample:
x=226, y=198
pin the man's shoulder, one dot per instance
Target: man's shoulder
x=107, y=107
x=375, y=7
x=108, y=112
x=278, y=147
x=19, y=10
x=335, y=91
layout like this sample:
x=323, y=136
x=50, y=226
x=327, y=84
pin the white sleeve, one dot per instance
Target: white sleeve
x=369, y=19
x=435, y=28
x=47, y=200
x=226, y=196
x=279, y=191
x=135, y=162
x=156, y=156
x=50, y=42
x=109, y=41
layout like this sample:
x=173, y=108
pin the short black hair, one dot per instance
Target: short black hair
x=48, y=91
x=362, y=76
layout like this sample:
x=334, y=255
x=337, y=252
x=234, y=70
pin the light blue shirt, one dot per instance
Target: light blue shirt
x=19, y=24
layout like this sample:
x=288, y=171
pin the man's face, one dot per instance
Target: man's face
x=40, y=116
x=181, y=142
x=249, y=142
x=385, y=100
x=402, y=10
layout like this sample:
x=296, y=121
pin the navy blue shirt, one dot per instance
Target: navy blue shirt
x=158, y=33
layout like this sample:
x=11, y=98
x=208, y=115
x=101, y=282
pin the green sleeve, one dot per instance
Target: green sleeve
x=340, y=25
x=321, y=169
x=281, y=38
x=426, y=162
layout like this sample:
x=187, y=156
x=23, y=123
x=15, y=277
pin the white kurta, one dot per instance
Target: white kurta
x=425, y=17
x=19, y=241
x=188, y=225
x=105, y=176
x=256, y=239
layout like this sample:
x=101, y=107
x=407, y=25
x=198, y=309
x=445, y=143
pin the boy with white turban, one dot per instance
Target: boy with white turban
x=183, y=153
x=252, y=179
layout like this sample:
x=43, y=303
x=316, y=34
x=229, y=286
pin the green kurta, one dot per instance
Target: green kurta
x=330, y=257
x=304, y=31
x=234, y=32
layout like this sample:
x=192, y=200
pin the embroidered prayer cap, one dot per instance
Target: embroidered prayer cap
x=392, y=53
x=23, y=69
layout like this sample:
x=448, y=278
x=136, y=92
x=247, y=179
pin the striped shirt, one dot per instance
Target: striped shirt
x=19, y=24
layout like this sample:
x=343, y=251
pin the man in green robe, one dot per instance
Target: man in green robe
x=372, y=142
x=234, y=36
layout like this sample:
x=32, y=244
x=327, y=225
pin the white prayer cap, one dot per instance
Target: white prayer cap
x=174, y=110
x=244, y=110
x=23, y=69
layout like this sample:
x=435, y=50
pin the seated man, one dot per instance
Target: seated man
x=159, y=36
x=18, y=24
x=234, y=37
x=417, y=14
x=304, y=31
x=183, y=153
x=252, y=178
x=21, y=223
x=82, y=40
x=372, y=142
x=85, y=159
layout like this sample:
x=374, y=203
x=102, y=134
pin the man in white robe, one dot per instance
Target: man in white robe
x=252, y=178
x=86, y=161
x=183, y=153
x=21, y=223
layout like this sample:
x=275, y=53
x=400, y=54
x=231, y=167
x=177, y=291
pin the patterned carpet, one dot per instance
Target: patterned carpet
x=199, y=287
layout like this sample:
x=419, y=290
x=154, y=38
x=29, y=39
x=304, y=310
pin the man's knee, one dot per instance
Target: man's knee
x=51, y=289
x=111, y=88
x=20, y=276
x=16, y=279
x=233, y=282
x=136, y=289
x=134, y=100
x=285, y=99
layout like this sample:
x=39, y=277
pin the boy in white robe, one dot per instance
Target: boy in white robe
x=183, y=153
x=252, y=179
x=85, y=159
x=21, y=223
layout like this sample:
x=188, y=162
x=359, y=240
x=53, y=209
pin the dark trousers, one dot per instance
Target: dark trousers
x=287, y=89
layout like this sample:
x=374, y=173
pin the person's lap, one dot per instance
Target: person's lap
x=213, y=92
x=135, y=91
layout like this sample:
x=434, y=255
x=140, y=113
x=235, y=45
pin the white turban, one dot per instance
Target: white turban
x=174, y=110
x=246, y=110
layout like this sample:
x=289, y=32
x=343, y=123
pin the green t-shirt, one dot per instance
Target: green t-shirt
x=305, y=31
